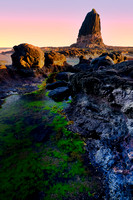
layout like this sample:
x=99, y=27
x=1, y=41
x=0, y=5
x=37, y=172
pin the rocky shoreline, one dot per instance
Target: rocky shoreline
x=16, y=75
x=100, y=89
x=102, y=113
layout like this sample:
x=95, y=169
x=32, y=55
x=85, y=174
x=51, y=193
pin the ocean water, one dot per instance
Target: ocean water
x=5, y=58
x=72, y=60
x=4, y=49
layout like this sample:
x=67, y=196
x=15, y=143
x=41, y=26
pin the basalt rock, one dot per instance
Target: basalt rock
x=54, y=58
x=90, y=31
x=102, y=61
x=101, y=112
x=27, y=59
x=56, y=62
x=56, y=84
x=117, y=57
x=64, y=76
x=60, y=93
x=82, y=59
x=91, y=24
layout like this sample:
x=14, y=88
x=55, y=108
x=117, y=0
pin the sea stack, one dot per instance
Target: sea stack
x=90, y=31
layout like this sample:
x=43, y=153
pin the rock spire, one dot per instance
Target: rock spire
x=90, y=31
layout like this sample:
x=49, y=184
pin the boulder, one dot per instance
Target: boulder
x=60, y=93
x=82, y=67
x=56, y=62
x=4, y=75
x=82, y=59
x=102, y=61
x=27, y=58
x=54, y=58
x=56, y=84
x=65, y=76
x=117, y=57
x=7, y=75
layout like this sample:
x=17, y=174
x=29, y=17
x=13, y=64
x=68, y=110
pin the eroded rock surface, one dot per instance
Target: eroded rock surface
x=102, y=113
x=90, y=31
x=54, y=58
x=60, y=93
x=27, y=58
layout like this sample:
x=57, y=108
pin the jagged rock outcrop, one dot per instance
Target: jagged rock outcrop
x=55, y=62
x=90, y=31
x=104, y=60
x=117, y=57
x=101, y=111
x=27, y=58
x=91, y=24
x=55, y=59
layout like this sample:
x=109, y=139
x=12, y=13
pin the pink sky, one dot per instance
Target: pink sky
x=57, y=22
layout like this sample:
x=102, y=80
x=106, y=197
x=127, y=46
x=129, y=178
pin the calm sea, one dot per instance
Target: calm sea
x=3, y=49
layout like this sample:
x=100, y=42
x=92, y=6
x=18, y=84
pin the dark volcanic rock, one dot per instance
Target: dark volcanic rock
x=90, y=31
x=117, y=57
x=56, y=84
x=91, y=24
x=54, y=58
x=4, y=74
x=102, y=61
x=82, y=59
x=60, y=93
x=56, y=62
x=101, y=110
x=27, y=56
x=65, y=76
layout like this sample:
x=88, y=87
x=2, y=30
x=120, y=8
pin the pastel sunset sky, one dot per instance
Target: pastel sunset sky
x=57, y=22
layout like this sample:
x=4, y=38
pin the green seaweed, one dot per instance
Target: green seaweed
x=54, y=167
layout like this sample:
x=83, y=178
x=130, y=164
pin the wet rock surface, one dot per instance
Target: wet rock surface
x=64, y=76
x=14, y=83
x=102, y=61
x=56, y=85
x=60, y=93
x=102, y=113
x=116, y=56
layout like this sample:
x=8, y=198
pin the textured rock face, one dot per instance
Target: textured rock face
x=91, y=24
x=27, y=56
x=104, y=60
x=60, y=93
x=55, y=62
x=102, y=113
x=53, y=58
x=90, y=31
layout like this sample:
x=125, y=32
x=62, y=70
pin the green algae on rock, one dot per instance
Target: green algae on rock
x=32, y=169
